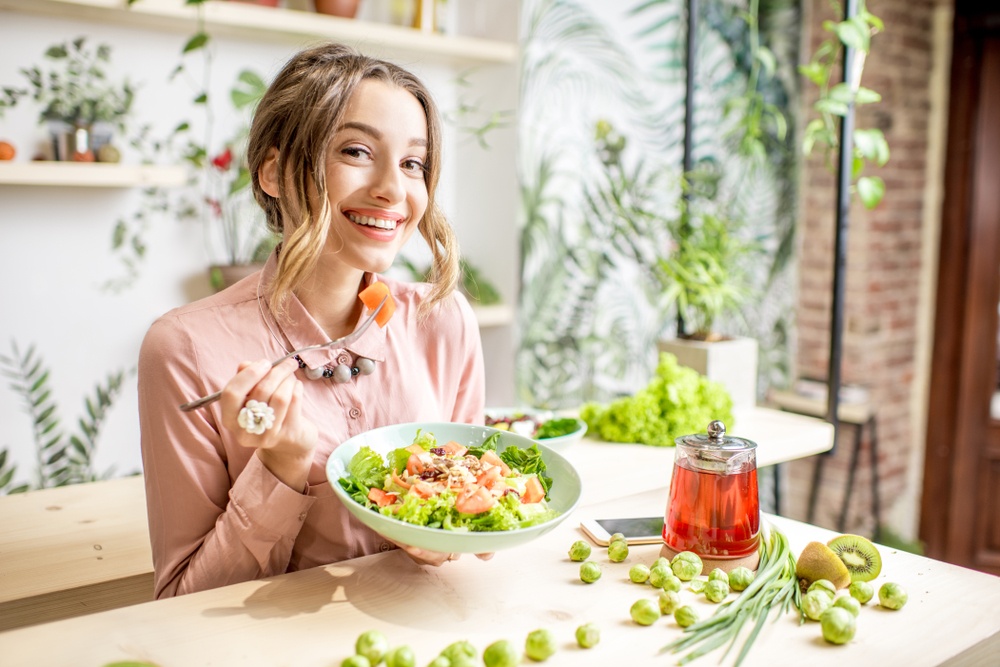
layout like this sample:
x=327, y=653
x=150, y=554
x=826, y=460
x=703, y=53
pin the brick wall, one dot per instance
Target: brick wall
x=883, y=265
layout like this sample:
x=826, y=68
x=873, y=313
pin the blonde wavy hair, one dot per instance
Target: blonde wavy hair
x=298, y=116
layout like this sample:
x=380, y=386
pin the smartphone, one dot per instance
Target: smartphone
x=637, y=530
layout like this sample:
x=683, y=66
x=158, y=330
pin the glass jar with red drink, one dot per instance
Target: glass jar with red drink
x=713, y=508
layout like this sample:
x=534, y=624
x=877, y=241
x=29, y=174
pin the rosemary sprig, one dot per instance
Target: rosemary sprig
x=774, y=587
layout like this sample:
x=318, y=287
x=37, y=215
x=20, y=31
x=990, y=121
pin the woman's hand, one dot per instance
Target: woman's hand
x=435, y=558
x=286, y=448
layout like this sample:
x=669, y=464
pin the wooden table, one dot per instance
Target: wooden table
x=311, y=618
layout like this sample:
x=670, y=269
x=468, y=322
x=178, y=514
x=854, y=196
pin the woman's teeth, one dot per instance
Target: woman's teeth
x=372, y=222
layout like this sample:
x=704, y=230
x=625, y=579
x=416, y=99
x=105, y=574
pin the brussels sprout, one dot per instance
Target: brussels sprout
x=439, y=661
x=814, y=603
x=588, y=635
x=862, y=591
x=401, y=656
x=645, y=611
x=639, y=573
x=579, y=551
x=671, y=583
x=716, y=590
x=539, y=645
x=720, y=574
x=685, y=616
x=686, y=565
x=501, y=653
x=618, y=551
x=669, y=602
x=838, y=625
x=848, y=603
x=590, y=572
x=661, y=562
x=740, y=578
x=356, y=661
x=617, y=537
x=657, y=575
x=892, y=595
x=372, y=645
x=460, y=653
x=697, y=585
x=824, y=585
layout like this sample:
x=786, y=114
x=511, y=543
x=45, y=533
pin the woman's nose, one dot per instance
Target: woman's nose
x=388, y=182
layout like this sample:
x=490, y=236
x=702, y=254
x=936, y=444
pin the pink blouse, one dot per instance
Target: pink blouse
x=216, y=515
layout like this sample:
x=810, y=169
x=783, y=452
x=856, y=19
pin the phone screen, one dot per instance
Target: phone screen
x=633, y=527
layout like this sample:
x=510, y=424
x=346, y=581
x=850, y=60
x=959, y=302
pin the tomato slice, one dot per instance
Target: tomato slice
x=490, y=476
x=533, y=491
x=474, y=499
x=452, y=448
x=491, y=457
x=380, y=497
x=372, y=296
x=415, y=464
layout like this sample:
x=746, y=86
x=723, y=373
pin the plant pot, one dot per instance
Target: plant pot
x=732, y=362
x=347, y=9
x=224, y=275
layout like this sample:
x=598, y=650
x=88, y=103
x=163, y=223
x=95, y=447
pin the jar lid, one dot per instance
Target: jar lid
x=716, y=438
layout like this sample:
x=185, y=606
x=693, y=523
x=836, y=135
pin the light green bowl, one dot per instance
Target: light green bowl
x=563, y=496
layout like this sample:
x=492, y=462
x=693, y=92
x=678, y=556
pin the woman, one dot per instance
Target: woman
x=345, y=156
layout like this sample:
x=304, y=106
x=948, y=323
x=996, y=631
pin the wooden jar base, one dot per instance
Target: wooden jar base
x=726, y=564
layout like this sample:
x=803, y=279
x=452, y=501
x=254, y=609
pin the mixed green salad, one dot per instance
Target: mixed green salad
x=452, y=487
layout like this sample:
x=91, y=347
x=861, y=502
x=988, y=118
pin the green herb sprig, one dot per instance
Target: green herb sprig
x=774, y=587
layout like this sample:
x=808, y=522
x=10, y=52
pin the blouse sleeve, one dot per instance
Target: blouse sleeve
x=206, y=530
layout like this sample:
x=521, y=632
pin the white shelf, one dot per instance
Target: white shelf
x=234, y=19
x=89, y=174
x=494, y=316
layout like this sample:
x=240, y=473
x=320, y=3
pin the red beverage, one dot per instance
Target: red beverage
x=715, y=514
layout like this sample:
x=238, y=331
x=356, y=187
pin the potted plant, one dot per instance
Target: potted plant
x=707, y=277
x=77, y=100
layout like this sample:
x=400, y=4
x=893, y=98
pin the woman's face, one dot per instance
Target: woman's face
x=375, y=176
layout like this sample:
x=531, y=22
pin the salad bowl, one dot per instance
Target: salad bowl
x=525, y=421
x=563, y=495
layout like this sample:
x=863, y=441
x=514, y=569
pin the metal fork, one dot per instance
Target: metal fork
x=346, y=340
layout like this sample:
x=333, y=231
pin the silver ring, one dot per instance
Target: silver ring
x=256, y=417
x=452, y=557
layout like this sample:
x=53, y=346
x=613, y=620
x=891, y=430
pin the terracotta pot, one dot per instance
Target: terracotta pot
x=344, y=8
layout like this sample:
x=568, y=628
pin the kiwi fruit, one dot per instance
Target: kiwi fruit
x=818, y=561
x=862, y=559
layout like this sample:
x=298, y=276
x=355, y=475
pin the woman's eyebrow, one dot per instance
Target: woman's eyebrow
x=375, y=132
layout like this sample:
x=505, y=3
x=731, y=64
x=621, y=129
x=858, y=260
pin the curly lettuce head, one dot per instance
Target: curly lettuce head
x=677, y=401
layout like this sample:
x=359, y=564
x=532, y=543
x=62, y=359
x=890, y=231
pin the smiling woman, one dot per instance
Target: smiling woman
x=344, y=154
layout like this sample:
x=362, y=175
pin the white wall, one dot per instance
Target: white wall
x=55, y=242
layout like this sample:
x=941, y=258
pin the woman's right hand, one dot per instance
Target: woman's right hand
x=286, y=448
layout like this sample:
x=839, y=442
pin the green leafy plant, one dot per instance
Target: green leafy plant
x=75, y=89
x=836, y=100
x=60, y=459
x=707, y=274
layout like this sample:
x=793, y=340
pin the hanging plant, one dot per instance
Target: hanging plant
x=837, y=99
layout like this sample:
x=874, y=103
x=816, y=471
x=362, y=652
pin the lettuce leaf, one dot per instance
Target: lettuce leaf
x=528, y=461
x=367, y=469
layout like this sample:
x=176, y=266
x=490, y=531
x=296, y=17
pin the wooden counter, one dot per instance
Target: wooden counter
x=85, y=548
x=311, y=618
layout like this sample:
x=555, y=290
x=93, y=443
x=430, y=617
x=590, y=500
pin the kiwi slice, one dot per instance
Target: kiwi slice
x=862, y=559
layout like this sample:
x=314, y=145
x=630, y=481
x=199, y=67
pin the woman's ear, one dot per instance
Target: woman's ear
x=268, y=173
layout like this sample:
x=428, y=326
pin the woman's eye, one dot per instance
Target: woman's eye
x=356, y=152
x=413, y=165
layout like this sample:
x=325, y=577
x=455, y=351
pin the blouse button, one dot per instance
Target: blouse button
x=344, y=359
x=385, y=546
x=302, y=516
x=354, y=413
